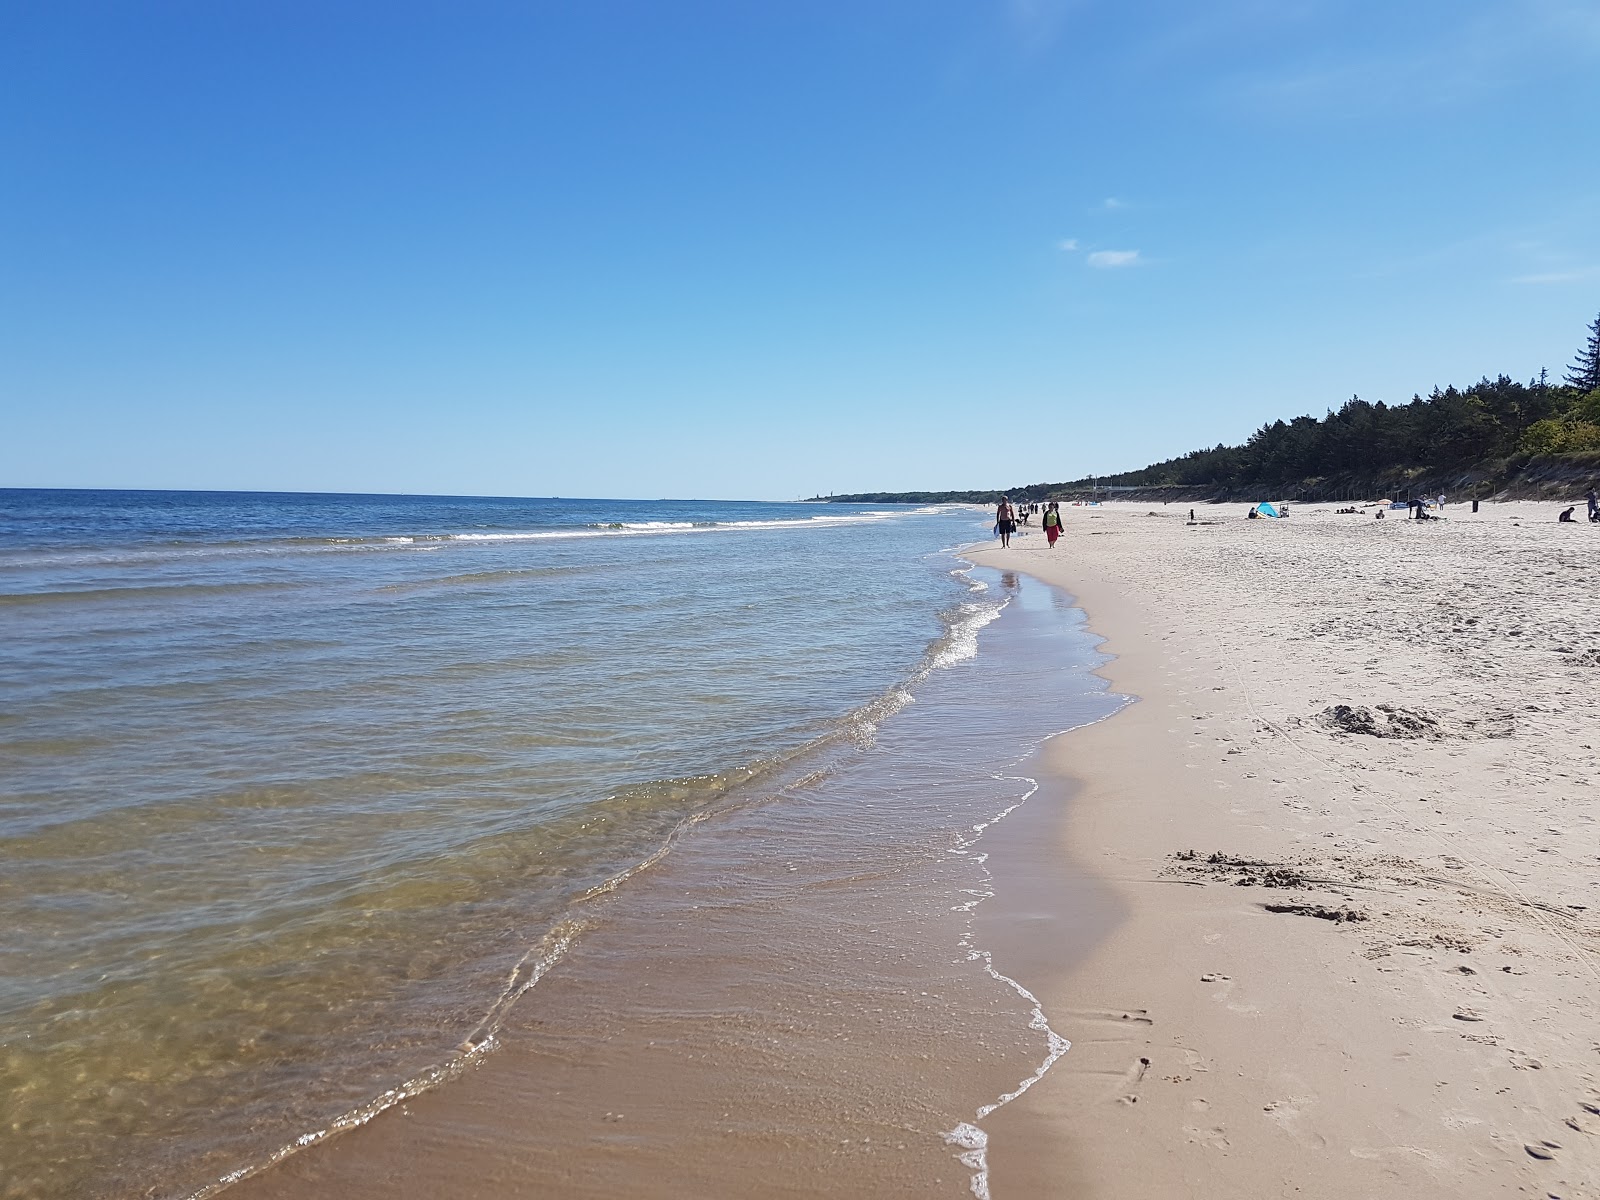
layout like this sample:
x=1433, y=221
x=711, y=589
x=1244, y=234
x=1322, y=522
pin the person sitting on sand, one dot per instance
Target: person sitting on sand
x=1052, y=523
x=1005, y=521
x=1566, y=513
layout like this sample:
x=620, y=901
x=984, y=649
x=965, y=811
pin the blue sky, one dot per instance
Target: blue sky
x=766, y=249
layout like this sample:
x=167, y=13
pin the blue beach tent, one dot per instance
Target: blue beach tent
x=1266, y=510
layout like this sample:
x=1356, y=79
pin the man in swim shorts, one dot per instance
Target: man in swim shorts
x=1005, y=521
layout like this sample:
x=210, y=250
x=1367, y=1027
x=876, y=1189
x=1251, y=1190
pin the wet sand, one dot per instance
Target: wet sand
x=731, y=1070
x=1353, y=822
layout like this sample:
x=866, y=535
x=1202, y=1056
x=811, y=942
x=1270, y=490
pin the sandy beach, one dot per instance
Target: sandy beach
x=1317, y=913
x=1352, y=821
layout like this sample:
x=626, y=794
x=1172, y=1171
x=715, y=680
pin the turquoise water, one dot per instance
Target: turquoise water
x=292, y=784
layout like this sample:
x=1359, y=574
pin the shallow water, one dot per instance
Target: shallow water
x=811, y=994
x=292, y=783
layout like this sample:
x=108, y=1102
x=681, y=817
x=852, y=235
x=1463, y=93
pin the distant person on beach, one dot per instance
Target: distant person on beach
x=1566, y=513
x=1594, y=504
x=1052, y=523
x=1005, y=521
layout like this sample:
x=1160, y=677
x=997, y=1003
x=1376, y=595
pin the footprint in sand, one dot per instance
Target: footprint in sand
x=1131, y=1016
x=1287, y=1115
x=1214, y=1136
x=1132, y=1078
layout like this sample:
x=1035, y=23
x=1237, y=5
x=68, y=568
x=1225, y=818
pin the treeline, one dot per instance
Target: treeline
x=1480, y=428
x=1452, y=429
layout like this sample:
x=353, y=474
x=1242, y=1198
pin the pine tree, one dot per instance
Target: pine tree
x=1584, y=373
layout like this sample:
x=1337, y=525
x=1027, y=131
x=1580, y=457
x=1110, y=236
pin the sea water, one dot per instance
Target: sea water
x=295, y=790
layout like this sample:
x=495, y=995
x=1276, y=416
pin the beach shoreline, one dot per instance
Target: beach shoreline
x=300, y=792
x=806, y=997
x=1315, y=910
x=1431, y=1035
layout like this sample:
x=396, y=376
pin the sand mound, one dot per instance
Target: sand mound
x=1412, y=724
x=1382, y=721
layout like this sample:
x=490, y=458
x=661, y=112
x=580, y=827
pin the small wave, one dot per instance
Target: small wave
x=959, y=641
x=651, y=525
x=171, y=550
x=538, y=535
x=635, y=528
x=490, y=578
x=145, y=592
x=524, y=975
x=529, y=970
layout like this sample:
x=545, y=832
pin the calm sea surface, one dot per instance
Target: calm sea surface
x=295, y=789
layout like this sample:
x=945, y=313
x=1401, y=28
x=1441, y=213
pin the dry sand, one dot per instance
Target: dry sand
x=1362, y=951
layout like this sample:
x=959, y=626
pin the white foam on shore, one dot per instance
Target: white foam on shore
x=532, y=967
x=970, y=1140
x=529, y=970
x=961, y=642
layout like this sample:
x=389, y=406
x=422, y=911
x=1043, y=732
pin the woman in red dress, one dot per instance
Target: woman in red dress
x=1052, y=523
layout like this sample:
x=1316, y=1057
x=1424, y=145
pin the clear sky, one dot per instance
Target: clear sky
x=771, y=248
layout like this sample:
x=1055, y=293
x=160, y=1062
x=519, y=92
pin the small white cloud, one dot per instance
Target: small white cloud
x=1558, y=276
x=1067, y=244
x=1107, y=259
x=1038, y=23
x=1111, y=204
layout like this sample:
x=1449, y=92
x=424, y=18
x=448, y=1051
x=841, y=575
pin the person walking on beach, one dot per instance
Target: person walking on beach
x=1594, y=504
x=1052, y=523
x=1005, y=521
